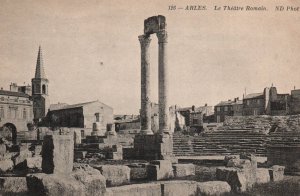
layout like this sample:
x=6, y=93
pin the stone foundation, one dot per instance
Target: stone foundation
x=154, y=147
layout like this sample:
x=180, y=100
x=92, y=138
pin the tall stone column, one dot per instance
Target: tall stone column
x=145, y=86
x=163, y=82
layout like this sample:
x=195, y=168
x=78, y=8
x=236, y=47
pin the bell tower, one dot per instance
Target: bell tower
x=40, y=89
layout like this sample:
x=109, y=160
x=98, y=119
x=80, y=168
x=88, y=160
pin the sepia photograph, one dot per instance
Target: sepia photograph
x=149, y=98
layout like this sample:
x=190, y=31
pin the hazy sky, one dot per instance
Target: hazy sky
x=212, y=55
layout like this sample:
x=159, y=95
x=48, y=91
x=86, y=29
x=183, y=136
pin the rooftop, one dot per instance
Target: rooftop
x=253, y=95
x=64, y=106
x=230, y=102
x=12, y=93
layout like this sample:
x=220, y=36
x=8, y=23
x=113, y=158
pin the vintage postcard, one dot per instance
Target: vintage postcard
x=149, y=97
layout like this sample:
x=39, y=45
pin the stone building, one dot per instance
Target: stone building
x=16, y=112
x=81, y=115
x=295, y=101
x=194, y=115
x=228, y=108
x=269, y=102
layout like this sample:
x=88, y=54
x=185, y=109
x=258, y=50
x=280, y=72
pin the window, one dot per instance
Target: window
x=38, y=88
x=218, y=109
x=97, y=117
x=195, y=121
x=226, y=108
x=258, y=101
x=24, y=113
x=1, y=112
x=44, y=89
x=13, y=113
x=248, y=102
x=218, y=119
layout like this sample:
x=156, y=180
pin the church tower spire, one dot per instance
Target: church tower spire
x=39, y=83
x=39, y=70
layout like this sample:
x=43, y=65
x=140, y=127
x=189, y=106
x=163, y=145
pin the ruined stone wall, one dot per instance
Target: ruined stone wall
x=263, y=123
x=287, y=156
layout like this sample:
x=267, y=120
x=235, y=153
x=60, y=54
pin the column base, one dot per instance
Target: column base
x=154, y=147
x=165, y=131
x=146, y=132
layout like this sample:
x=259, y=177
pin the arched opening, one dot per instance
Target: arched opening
x=44, y=89
x=33, y=88
x=9, y=132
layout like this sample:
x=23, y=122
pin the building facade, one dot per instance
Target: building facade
x=295, y=102
x=16, y=113
x=81, y=115
x=269, y=102
x=228, y=108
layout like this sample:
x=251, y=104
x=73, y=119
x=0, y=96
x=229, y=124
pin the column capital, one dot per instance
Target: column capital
x=162, y=36
x=144, y=40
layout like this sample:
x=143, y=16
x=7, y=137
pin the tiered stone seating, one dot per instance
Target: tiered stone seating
x=221, y=143
x=182, y=145
x=288, y=138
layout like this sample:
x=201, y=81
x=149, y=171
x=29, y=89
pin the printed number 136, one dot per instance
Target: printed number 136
x=172, y=7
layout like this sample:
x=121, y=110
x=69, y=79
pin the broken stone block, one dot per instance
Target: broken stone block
x=234, y=162
x=93, y=181
x=8, y=155
x=115, y=153
x=2, y=149
x=154, y=24
x=19, y=159
x=180, y=187
x=250, y=157
x=37, y=150
x=79, y=154
x=262, y=176
x=53, y=185
x=115, y=174
x=235, y=178
x=148, y=189
x=6, y=165
x=213, y=188
x=230, y=157
x=160, y=169
x=182, y=170
x=34, y=163
x=57, y=154
x=13, y=185
x=249, y=170
x=138, y=171
x=276, y=173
